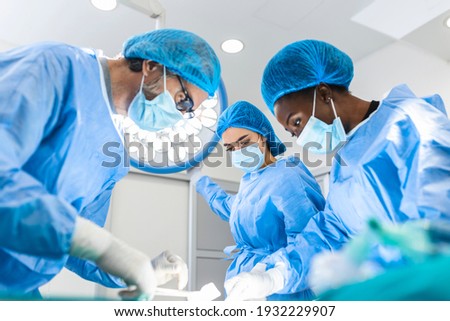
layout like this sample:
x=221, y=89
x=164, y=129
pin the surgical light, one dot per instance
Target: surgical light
x=182, y=146
x=174, y=149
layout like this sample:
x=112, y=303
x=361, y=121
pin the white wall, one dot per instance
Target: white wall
x=399, y=63
x=4, y=45
x=151, y=214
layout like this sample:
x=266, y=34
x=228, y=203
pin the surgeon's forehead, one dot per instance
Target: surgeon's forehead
x=277, y=110
x=233, y=134
x=292, y=102
x=282, y=107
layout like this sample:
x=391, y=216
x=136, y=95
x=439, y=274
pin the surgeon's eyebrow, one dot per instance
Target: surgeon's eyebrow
x=241, y=138
x=288, y=118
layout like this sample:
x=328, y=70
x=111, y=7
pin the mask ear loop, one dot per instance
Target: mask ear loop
x=334, y=108
x=164, y=73
x=314, y=102
x=265, y=144
x=142, y=83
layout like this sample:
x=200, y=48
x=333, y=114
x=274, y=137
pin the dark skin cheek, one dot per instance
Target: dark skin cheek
x=325, y=113
x=302, y=110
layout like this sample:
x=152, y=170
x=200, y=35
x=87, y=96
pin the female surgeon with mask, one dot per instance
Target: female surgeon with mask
x=392, y=157
x=270, y=215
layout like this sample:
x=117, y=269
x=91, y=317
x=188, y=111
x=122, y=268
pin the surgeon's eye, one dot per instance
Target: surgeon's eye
x=230, y=149
x=297, y=122
x=245, y=143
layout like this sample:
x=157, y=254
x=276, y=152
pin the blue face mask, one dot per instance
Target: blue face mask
x=321, y=137
x=248, y=159
x=155, y=114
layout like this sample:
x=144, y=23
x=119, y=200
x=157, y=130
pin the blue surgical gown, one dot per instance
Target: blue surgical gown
x=57, y=138
x=395, y=167
x=270, y=221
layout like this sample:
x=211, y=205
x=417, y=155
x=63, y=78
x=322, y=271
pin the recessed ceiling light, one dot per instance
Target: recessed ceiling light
x=232, y=46
x=105, y=5
x=447, y=22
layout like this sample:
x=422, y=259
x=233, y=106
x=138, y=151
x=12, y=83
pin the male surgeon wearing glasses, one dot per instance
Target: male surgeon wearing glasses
x=56, y=108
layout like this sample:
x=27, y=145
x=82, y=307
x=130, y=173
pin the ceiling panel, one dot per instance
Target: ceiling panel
x=434, y=37
x=265, y=26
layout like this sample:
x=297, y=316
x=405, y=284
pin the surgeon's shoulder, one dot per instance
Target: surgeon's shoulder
x=290, y=161
x=41, y=48
x=423, y=116
x=51, y=53
x=405, y=102
x=42, y=55
x=59, y=49
x=289, y=164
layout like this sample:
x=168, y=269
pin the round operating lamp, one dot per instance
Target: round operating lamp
x=181, y=147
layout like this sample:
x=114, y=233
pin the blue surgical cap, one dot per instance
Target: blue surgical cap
x=182, y=52
x=304, y=64
x=242, y=114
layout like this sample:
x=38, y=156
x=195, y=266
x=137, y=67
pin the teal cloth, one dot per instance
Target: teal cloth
x=426, y=281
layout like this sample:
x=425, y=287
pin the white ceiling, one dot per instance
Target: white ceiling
x=265, y=26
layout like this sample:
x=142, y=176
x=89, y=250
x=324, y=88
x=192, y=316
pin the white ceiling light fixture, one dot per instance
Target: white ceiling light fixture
x=152, y=8
x=232, y=46
x=447, y=22
x=105, y=5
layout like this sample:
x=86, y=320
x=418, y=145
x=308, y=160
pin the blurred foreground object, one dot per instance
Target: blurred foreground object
x=388, y=262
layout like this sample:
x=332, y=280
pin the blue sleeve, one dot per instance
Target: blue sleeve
x=33, y=221
x=97, y=212
x=300, y=202
x=218, y=200
x=89, y=271
x=421, y=152
x=297, y=196
x=297, y=256
x=437, y=102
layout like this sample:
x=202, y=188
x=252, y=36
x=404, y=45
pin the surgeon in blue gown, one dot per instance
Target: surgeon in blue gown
x=270, y=215
x=392, y=158
x=57, y=104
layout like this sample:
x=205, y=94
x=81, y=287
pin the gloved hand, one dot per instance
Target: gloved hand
x=168, y=266
x=330, y=270
x=256, y=284
x=91, y=242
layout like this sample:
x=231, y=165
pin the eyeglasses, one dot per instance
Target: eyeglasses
x=241, y=143
x=187, y=103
